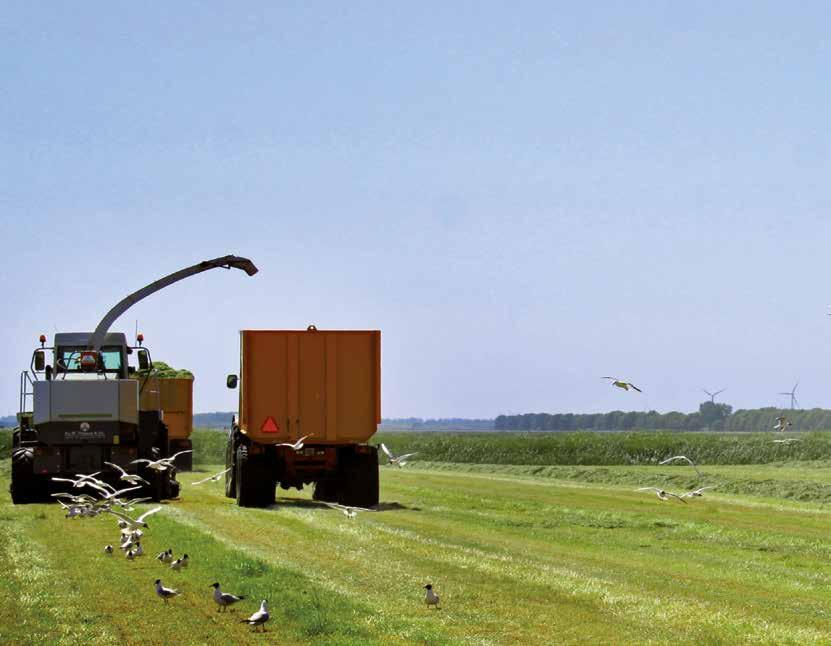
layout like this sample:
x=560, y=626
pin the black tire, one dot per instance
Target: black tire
x=173, y=486
x=359, y=480
x=255, y=483
x=247, y=495
x=24, y=489
x=183, y=462
x=230, y=463
x=326, y=491
x=158, y=480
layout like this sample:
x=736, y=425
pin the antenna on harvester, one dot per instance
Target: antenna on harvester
x=792, y=395
x=713, y=395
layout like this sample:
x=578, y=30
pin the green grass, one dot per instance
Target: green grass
x=564, y=448
x=518, y=554
x=591, y=448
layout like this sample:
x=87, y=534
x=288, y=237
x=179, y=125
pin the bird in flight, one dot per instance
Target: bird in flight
x=682, y=457
x=258, y=618
x=296, y=446
x=625, y=385
x=782, y=423
x=698, y=493
x=349, y=512
x=662, y=495
x=138, y=522
x=128, y=477
x=399, y=461
x=214, y=478
x=163, y=464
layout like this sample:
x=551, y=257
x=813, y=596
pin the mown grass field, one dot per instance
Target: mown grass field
x=519, y=555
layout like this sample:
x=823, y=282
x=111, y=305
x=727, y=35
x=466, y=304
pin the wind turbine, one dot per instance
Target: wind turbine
x=713, y=395
x=792, y=395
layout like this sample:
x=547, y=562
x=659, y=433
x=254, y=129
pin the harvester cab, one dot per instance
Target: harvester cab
x=83, y=407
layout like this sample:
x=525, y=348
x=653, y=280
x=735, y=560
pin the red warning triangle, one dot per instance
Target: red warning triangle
x=269, y=426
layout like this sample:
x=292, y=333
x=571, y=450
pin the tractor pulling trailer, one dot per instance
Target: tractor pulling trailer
x=86, y=407
x=321, y=385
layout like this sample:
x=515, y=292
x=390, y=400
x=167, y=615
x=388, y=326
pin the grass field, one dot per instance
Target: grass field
x=517, y=555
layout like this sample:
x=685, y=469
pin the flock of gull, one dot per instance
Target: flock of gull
x=103, y=498
x=782, y=424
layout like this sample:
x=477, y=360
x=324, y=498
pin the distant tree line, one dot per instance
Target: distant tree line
x=710, y=416
x=458, y=423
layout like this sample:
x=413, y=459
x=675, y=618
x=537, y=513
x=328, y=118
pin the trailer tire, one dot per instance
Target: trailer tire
x=248, y=482
x=326, y=491
x=359, y=480
x=231, y=465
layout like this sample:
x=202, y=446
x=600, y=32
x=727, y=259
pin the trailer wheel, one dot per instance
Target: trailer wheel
x=246, y=479
x=359, y=480
x=326, y=491
x=230, y=463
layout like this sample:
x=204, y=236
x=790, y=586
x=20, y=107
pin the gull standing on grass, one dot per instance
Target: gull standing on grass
x=224, y=599
x=662, y=494
x=132, y=478
x=258, y=618
x=213, y=478
x=399, y=461
x=179, y=563
x=625, y=385
x=682, y=457
x=165, y=593
x=108, y=549
x=431, y=598
x=166, y=556
x=349, y=512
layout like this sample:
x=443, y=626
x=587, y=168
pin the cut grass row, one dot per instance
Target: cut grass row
x=807, y=481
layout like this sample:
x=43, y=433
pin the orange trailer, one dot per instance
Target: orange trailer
x=324, y=386
x=174, y=398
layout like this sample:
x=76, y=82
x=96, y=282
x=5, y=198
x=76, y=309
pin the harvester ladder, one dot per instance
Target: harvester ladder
x=26, y=393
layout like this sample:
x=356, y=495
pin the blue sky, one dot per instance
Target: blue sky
x=523, y=197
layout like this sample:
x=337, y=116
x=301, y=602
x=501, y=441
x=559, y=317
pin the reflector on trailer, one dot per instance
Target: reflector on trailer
x=269, y=426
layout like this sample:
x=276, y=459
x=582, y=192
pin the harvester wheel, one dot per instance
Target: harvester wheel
x=23, y=488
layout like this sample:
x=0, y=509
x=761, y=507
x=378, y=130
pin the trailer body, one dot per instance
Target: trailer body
x=322, y=385
x=174, y=398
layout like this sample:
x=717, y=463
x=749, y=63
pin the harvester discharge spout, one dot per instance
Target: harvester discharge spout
x=226, y=262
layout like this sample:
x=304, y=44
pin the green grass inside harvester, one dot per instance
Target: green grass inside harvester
x=516, y=558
